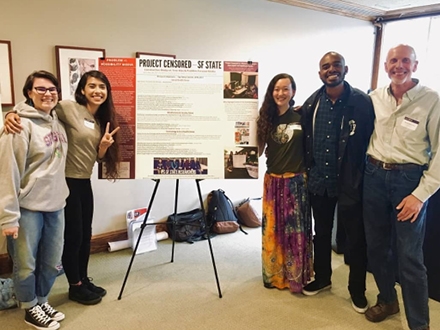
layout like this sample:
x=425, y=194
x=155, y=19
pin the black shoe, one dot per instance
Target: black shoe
x=359, y=303
x=381, y=311
x=52, y=312
x=315, y=287
x=81, y=294
x=38, y=319
x=92, y=287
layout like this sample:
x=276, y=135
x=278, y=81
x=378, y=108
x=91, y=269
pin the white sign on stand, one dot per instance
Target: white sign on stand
x=135, y=219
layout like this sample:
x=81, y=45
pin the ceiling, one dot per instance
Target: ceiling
x=369, y=9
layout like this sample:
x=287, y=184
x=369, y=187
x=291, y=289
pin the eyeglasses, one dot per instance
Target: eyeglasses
x=42, y=90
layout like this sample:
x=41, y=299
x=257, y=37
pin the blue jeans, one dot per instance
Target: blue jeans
x=388, y=239
x=35, y=255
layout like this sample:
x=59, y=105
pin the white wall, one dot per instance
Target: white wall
x=421, y=33
x=281, y=38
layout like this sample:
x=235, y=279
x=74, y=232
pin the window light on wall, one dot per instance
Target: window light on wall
x=421, y=34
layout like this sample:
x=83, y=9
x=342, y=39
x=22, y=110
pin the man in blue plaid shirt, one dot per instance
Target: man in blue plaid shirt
x=338, y=121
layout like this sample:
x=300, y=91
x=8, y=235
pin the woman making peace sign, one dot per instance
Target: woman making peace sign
x=88, y=123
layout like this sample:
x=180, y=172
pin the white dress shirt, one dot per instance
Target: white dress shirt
x=408, y=133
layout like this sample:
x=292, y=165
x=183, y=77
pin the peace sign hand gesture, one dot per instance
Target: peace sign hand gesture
x=107, y=140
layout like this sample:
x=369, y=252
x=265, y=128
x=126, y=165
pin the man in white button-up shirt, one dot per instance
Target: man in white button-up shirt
x=402, y=172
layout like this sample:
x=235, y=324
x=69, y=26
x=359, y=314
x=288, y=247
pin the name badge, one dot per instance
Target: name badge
x=296, y=127
x=410, y=123
x=89, y=123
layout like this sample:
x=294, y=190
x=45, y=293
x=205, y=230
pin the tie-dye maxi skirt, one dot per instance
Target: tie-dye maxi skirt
x=287, y=232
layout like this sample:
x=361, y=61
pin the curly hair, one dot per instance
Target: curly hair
x=106, y=114
x=269, y=110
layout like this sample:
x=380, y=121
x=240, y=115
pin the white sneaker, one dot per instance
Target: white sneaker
x=52, y=312
x=359, y=304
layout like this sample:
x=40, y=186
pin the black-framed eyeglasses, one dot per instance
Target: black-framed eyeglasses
x=42, y=90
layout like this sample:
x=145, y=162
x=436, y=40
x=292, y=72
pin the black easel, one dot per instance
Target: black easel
x=172, y=250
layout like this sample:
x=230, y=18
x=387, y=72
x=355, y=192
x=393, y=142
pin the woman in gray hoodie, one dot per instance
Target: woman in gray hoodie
x=91, y=128
x=32, y=202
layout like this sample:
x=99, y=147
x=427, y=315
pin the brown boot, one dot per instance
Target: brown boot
x=381, y=311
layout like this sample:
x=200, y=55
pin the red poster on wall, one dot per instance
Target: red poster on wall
x=121, y=73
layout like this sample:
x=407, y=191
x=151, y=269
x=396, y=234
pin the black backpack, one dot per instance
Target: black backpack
x=221, y=214
x=189, y=226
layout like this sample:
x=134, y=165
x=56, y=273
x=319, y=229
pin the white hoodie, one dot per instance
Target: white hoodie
x=32, y=166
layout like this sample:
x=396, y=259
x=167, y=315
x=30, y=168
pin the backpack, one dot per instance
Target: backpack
x=188, y=226
x=221, y=215
x=7, y=295
x=247, y=215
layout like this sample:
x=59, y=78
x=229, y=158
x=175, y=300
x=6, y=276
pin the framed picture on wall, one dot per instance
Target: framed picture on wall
x=72, y=63
x=6, y=75
x=153, y=55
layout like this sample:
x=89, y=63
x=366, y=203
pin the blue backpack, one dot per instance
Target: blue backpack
x=7, y=295
x=221, y=215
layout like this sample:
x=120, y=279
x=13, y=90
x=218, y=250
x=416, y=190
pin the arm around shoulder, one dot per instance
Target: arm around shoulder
x=12, y=122
x=63, y=108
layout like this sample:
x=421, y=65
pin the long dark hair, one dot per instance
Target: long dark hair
x=269, y=109
x=29, y=83
x=106, y=114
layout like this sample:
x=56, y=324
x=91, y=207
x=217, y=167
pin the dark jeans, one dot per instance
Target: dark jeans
x=387, y=238
x=350, y=217
x=78, y=229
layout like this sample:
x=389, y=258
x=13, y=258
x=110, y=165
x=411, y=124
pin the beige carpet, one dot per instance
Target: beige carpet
x=183, y=294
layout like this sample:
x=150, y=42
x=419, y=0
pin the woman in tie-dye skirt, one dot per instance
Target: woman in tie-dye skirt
x=287, y=228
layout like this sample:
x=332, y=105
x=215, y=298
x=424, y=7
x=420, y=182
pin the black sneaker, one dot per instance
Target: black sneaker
x=81, y=294
x=92, y=287
x=359, y=303
x=37, y=318
x=52, y=312
x=315, y=287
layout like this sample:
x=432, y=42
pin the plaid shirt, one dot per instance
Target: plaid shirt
x=324, y=172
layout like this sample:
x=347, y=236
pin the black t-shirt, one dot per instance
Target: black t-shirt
x=285, y=152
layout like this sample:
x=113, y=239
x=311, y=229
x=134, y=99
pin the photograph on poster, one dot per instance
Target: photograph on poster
x=241, y=162
x=241, y=85
x=242, y=132
x=240, y=80
x=72, y=63
x=6, y=74
x=181, y=166
x=153, y=55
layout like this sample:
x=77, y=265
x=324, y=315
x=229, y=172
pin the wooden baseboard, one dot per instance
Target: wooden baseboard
x=98, y=244
x=5, y=264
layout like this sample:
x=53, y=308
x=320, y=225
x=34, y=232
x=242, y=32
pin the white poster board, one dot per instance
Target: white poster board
x=185, y=118
x=192, y=114
x=135, y=219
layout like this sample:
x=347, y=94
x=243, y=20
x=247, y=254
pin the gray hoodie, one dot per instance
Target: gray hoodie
x=32, y=166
